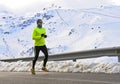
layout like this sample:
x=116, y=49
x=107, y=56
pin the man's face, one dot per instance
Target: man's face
x=39, y=23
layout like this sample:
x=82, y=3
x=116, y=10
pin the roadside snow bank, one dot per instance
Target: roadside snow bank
x=62, y=66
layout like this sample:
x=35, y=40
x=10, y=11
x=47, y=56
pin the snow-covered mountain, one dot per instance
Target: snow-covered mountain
x=67, y=29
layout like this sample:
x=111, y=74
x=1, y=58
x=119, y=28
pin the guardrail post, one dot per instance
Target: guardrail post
x=118, y=58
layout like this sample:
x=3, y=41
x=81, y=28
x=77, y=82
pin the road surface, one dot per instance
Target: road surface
x=58, y=78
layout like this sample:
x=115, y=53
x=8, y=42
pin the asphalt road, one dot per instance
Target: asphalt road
x=58, y=78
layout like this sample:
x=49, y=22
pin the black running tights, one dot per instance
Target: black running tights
x=36, y=52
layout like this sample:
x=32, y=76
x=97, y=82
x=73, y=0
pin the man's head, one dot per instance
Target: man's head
x=39, y=23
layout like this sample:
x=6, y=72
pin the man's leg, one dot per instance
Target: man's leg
x=36, y=52
x=45, y=51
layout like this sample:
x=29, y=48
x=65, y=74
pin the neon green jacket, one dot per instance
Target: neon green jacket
x=36, y=35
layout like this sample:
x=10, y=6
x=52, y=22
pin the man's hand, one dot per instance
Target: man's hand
x=43, y=35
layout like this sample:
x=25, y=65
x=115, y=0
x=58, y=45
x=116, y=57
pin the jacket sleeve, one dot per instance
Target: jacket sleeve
x=35, y=36
x=45, y=31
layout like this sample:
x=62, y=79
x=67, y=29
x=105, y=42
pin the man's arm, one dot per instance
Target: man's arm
x=44, y=35
x=34, y=36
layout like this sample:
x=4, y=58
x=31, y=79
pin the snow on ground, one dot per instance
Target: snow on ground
x=100, y=66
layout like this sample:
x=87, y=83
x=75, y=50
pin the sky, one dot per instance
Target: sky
x=22, y=5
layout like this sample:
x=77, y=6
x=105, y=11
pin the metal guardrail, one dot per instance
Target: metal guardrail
x=114, y=51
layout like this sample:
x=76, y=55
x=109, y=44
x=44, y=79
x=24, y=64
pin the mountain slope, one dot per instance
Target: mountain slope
x=67, y=29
